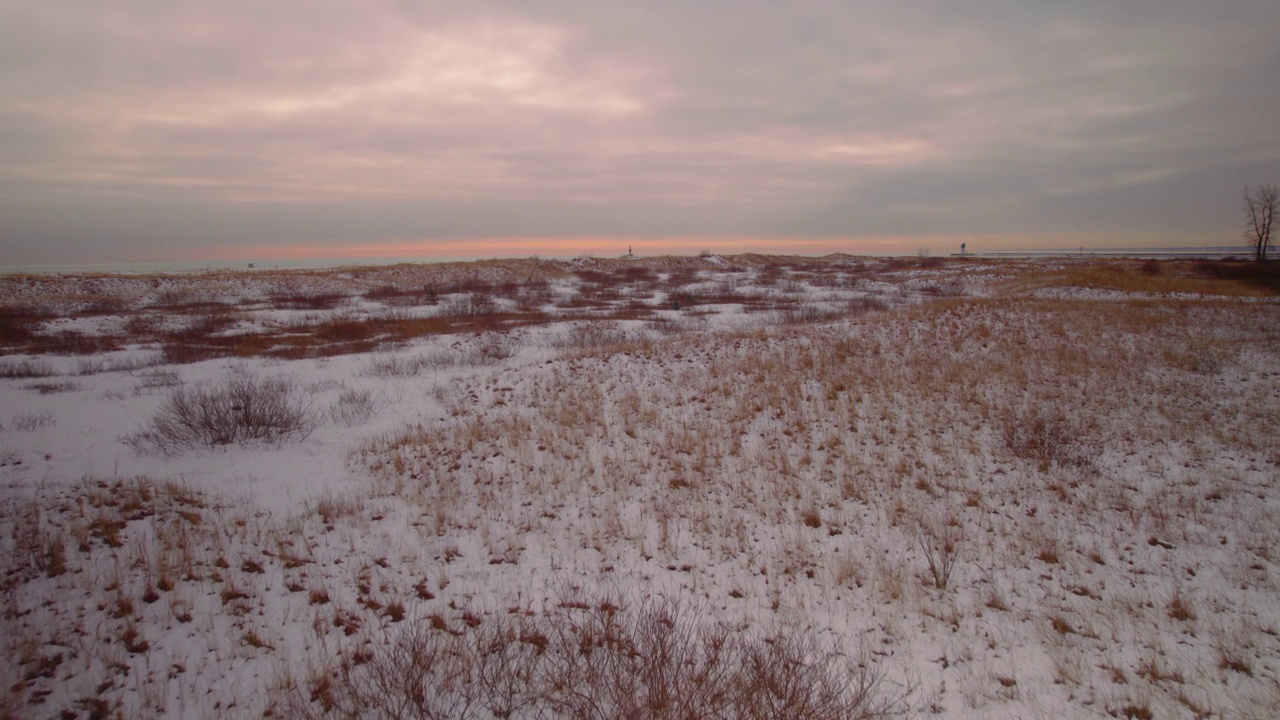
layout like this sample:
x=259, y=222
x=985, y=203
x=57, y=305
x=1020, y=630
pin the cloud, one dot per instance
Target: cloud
x=438, y=112
x=132, y=126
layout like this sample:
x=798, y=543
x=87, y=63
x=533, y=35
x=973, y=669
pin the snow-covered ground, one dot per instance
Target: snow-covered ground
x=1011, y=489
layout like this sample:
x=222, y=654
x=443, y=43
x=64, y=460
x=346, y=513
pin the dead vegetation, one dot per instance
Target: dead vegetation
x=921, y=464
x=594, y=658
x=979, y=433
x=241, y=408
x=188, y=319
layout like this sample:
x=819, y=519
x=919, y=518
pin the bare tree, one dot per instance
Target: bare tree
x=1259, y=210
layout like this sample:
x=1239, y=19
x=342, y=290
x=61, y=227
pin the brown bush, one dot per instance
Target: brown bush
x=306, y=301
x=25, y=368
x=241, y=408
x=1048, y=436
x=594, y=659
x=17, y=325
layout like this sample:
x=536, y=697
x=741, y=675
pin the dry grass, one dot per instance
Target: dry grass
x=189, y=322
x=1033, y=425
x=331, y=336
x=1163, y=277
x=96, y=541
x=1092, y=482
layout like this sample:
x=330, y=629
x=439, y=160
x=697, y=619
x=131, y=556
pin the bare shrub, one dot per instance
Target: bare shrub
x=438, y=360
x=794, y=285
x=306, y=300
x=29, y=421
x=588, y=336
x=25, y=368
x=768, y=275
x=808, y=313
x=17, y=324
x=394, y=366
x=56, y=386
x=658, y=662
x=241, y=408
x=398, y=296
x=156, y=379
x=677, y=326
x=353, y=406
x=865, y=304
x=406, y=366
x=1197, y=355
x=75, y=342
x=943, y=289
x=199, y=340
x=594, y=659
x=129, y=363
x=794, y=676
x=469, y=305
x=1046, y=435
x=492, y=348
x=90, y=366
x=331, y=507
x=534, y=295
x=941, y=549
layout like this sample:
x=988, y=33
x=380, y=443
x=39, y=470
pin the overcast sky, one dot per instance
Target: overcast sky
x=165, y=129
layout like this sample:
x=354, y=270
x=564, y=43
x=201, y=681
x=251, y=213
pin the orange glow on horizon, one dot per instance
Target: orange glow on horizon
x=520, y=247
x=459, y=248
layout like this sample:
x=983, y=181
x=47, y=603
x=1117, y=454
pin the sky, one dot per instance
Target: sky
x=136, y=130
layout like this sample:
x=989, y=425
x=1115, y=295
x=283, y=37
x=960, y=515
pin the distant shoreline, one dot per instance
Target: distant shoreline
x=197, y=266
x=1211, y=252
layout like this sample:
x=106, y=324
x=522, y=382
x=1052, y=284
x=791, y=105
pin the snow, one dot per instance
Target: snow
x=1103, y=460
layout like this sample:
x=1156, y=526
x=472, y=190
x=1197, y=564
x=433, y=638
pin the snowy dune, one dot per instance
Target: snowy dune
x=668, y=487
